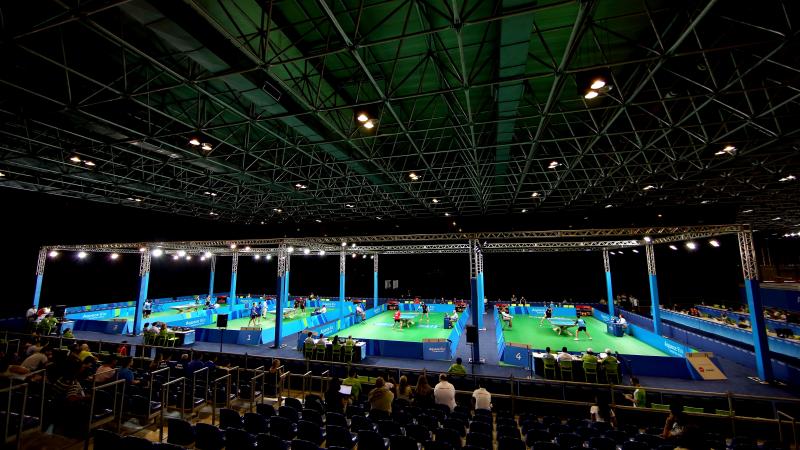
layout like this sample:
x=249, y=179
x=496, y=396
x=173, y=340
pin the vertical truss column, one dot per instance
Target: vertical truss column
x=37, y=293
x=651, y=275
x=476, y=288
x=342, y=264
x=286, y=277
x=144, y=284
x=280, y=296
x=374, y=281
x=211, y=278
x=234, y=274
x=753, y=292
x=609, y=290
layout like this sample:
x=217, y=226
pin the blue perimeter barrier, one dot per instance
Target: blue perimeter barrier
x=396, y=349
x=771, y=323
x=515, y=355
x=781, y=370
x=782, y=346
x=775, y=295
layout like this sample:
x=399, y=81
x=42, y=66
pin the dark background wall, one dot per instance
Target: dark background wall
x=34, y=220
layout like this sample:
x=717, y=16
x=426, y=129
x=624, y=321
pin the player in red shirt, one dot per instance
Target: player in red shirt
x=397, y=319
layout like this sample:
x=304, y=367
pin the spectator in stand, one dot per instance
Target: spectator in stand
x=8, y=370
x=676, y=422
x=195, y=364
x=639, y=396
x=423, y=393
x=602, y=412
x=354, y=383
x=84, y=352
x=125, y=372
x=122, y=350
x=403, y=389
x=334, y=400
x=481, y=398
x=380, y=398
x=274, y=376
x=68, y=334
x=106, y=372
x=157, y=362
x=445, y=393
x=457, y=368
x=37, y=360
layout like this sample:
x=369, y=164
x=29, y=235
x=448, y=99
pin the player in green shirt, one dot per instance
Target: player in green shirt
x=457, y=368
x=354, y=382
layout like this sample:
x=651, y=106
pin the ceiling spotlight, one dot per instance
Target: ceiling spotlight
x=590, y=95
x=747, y=211
x=269, y=256
x=306, y=251
x=524, y=210
x=212, y=213
x=447, y=214
x=318, y=220
x=194, y=141
x=344, y=244
x=82, y=255
x=413, y=176
x=206, y=146
x=233, y=246
x=175, y=257
x=673, y=247
x=142, y=249
x=2, y=174
x=609, y=206
x=648, y=187
x=137, y=200
x=75, y=159
x=454, y=224
x=207, y=254
x=691, y=245
x=52, y=253
x=157, y=252
x=714, y=243
x=349, y=205
x=247, y=248
x=322, y=253
x=354, y=255
x=362, y=118
x=188, y=257
x=727, y=150
x=635, y=251
x=181, y=253
x=378, y=217
x=89, y=163
x=256, y=256
x=364, y=256
x=598, y=83
x=553, y=164
x=775, y=218
x=202, y=258
x=435, y=200
x=300, y=186
x=788, y=178
x=290, y=249
x=277, y=210
x=369, y=124
x=353, y=245
x=611, y=253
x=705, y=202
x=648, y=239
x=535, y=194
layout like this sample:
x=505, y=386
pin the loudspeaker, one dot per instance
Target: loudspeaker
x=472, y=334
x=58, y=311
x=222, y=321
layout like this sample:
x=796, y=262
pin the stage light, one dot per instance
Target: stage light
x=306, y=251
x=89, y=163
x=75, y=159
x=447, y=214
x=775, y=218
x=142, y=249
x=344, y=244
x=788, y=178
x=175, y=257
x=300, y=186
x=82, y=255
x=609, y=206
x=553, y=164
x=648, y=187
x=212, y=213
x=206, y=146
x=181, y=253
x=354, y=255
x=598, y=84
x=413, y=176
x=202, y=258
x=364, y=256
x=318, y=220
x=114, y=256
x=353, y=245
x=454, y=224
x=691, y=245
x=322, y=253
x=535, y=194
x=290, y=249
x=590, y=95
x=207, y=254
x=247, y=248
x=611, y=253
x=714, y=243
x=648, y=239
x=524, y=210
x=157, y=252
x=194, y=141
x=727, y=150
x=233, y=246
x=362, y=118
x=436, y=200
x=747, y=211
x=137, y=200
x=256, y=256
x=277, y=210
x=2, y=174
x=188, y=257
x=269, y=256
x=349, y=205
x=369, y=124
x=635, y=251
x=53, y=253
x=673, y=247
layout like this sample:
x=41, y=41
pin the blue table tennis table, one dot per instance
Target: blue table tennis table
x=562, y=325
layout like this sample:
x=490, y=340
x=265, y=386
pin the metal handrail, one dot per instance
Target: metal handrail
x=205, y=386
x=306, y=386
x=164, y=403
x=794, y=426
x=284, y=377
x=24, y=388
x=214, y=383
x=117, y=398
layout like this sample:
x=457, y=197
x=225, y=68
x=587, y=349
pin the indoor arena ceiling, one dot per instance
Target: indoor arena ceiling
x=477, y=107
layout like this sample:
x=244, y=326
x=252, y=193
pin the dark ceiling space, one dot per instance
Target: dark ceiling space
x=483, y=102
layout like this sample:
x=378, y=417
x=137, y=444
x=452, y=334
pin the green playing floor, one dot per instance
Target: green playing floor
x=268, y=322
x=526, y=330
x=381, y=327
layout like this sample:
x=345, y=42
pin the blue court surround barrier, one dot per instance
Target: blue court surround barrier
x=515, y=355
x=782, y=371
x=395, y=349
x=782, y=346
x=770, y=323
